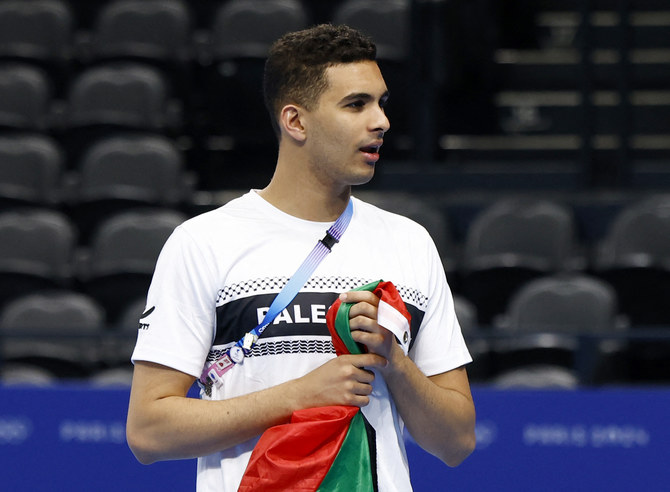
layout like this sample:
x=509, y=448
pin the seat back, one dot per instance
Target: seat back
x=53, y=313
x=639, y=235
x=125, y=95
x=574, y=304
x=37, y=242
x=35, y=30
x=154, y=30
x=130, y=242
x=387, y=22
x=56, y=330
x=123, y=255
x=247, y=28
x=25, y=97
x=31, y=168
x=539, y=234
x=145, y=168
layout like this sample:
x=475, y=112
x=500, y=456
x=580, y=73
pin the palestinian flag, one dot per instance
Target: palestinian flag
x=327, y=449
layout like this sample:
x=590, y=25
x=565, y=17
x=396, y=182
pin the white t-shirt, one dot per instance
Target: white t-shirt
x=218, y=273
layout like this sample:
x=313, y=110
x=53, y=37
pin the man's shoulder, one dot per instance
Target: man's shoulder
x=379, y=212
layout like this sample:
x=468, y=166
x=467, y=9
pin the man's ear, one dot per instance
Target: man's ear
x=290, y=120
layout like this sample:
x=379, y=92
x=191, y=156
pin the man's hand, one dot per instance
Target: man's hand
x=364, y=327
x=344, y=380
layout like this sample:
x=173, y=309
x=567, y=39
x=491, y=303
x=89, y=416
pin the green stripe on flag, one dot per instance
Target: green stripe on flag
x=352, y=468
x=342, y=322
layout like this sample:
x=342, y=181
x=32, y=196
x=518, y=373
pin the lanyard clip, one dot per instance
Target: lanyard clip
x=329, y=240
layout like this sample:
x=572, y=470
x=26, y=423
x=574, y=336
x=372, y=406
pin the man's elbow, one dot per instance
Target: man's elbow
x=140, y=447
x=459, y=452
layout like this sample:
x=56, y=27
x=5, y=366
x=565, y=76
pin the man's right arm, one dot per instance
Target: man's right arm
x=164, y=424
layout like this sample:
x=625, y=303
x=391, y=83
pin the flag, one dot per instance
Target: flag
x=327, y=449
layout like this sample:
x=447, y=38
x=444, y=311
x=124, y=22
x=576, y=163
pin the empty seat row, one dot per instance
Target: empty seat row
x=62, y=334
x=178, y=77
x=112, y=174
x=39, y=250
x=507, y=244
x=566, y=321
x=516, y=239
x=128, y=95
x=165, y=29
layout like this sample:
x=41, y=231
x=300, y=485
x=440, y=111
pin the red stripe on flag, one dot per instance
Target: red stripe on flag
x=298, y=455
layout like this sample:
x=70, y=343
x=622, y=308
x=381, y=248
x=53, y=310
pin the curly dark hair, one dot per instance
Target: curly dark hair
x=296, y=64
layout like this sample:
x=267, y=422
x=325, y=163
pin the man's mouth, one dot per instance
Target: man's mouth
x=371, y=152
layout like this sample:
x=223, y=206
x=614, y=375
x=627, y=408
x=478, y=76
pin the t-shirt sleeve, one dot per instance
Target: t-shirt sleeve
x=439, y=345
x=177, y=327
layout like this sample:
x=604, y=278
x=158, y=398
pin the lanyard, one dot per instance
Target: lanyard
x=213, y=373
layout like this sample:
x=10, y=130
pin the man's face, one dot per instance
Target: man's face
x=346, y=129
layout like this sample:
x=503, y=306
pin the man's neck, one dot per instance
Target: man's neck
x=301, y=195
x=305, y=203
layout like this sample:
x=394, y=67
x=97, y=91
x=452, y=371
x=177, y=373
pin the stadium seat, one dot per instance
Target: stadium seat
x=541, y=376
x=156, y=32
x=37, y=248
x=122, y=96
x=117, y=377
x=635, y=258
x=387, y=22
x=56, y=330
x=22, y=374
x=31, y=170
x=38, y=32
x=25, y=97
x=511, y=242
x=555, y=319
x=119, y=172
x=247, y=28
x=478, y=346
x=122, y=256
x=233, y=59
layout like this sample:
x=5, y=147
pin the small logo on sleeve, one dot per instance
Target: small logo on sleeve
x=145, y=326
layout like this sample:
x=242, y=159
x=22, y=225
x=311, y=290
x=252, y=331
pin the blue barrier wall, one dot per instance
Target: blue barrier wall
x=73, y=439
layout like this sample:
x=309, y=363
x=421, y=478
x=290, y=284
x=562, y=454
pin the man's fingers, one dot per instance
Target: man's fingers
x=356, y=296
x=363, y=309
x=367, y=360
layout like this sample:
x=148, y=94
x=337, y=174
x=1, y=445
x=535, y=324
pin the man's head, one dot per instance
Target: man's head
x=295, y=71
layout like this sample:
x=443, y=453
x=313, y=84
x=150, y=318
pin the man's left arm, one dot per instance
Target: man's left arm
x=438, y=410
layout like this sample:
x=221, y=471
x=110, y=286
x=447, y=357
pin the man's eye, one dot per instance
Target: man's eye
x=356, y=104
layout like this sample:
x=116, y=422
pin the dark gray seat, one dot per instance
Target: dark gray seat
x=37, y=248
x=512, y=241
x=556, y=320
x=31, y=170
x=122, y=172
x=635, y=258
x=55, y=330
x=25, y=97
x=122, y=257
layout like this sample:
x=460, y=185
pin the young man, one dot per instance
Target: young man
x=219, y=272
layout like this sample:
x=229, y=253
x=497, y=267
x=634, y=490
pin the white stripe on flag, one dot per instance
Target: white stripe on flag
x=391, y=319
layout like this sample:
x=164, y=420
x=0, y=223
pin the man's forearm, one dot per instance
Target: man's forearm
x=176, y=427
x=438, y=411
x=163, y=424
